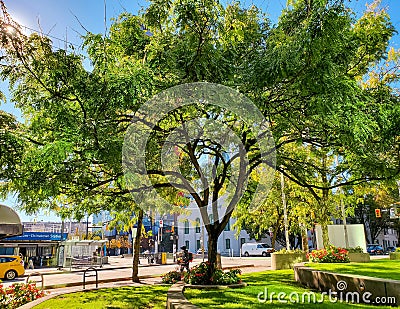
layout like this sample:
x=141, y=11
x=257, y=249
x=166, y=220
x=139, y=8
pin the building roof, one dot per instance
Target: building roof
x=10, y=223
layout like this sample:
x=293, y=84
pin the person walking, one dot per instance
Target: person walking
x=185, y=259
x=30, y=264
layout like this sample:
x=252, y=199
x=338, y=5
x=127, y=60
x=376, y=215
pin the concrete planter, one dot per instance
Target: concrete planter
x=286, y=260
x=359, y=257
x=394, y=255
x=360, y=288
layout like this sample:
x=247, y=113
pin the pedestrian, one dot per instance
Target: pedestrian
x=30, y=264
x=184, y=259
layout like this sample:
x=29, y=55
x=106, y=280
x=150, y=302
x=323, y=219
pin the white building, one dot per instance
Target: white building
x=388, y=238
x=192, y=231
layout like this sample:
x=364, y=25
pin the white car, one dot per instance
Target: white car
x=260, y=249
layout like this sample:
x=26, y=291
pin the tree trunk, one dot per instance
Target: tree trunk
x=212, y=252
x=325, y=236
x=275, y=232
x=304, y=238
x=136, y=248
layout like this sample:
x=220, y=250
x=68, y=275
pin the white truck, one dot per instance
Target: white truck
x=259, y=249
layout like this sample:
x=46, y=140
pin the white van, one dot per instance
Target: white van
x=253, y=248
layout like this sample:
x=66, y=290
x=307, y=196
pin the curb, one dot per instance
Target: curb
x=216, y=287
x=176, y=299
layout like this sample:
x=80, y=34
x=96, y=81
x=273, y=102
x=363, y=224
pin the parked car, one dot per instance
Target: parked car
x=390, y=249
x=254, y=248
x=200, y=251
x=375, y=249
x=11, y=266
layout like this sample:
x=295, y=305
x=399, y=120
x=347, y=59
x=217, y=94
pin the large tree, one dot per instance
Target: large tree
x=304, y=75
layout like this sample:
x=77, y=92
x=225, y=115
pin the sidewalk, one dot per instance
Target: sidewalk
x=118, y=262
x=115, y=262
x=120, y=269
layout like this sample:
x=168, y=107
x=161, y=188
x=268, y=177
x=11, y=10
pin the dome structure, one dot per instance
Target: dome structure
x=10, y=223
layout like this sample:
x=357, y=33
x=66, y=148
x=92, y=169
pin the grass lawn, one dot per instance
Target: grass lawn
x=382, y=268
x=136, y=297
x=270, y=281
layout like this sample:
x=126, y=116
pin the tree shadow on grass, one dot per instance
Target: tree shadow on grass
x=136, y=297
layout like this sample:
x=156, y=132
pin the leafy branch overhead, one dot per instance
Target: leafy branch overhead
x=324, y=80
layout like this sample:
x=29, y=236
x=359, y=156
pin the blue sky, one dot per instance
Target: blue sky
x=58, y=19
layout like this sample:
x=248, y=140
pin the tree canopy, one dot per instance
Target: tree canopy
x=315, y=77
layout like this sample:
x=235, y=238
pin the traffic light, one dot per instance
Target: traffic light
x=378, y=213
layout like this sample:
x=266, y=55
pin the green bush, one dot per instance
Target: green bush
x=397, y=249
x=201, y=275
x=357, y=249
x=284, y=251
x=172, y=277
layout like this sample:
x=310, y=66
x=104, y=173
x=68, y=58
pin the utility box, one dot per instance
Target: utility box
x=164, y=258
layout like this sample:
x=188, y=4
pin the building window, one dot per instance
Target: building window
x=242, y=241
x=186, y=226
x=197, y=225
x=211, y=218
x=198, y=244
x=227, y=244
x=228, y=226
x=187, y=244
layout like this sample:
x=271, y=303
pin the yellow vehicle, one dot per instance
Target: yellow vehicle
x=11, y=266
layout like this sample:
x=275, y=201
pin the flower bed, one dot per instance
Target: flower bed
x=329, y=255
x=201, y=275
x=19, y=294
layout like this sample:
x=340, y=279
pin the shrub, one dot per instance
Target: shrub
x=19, y=294
x=172, y=277
x=200, y=275
x=357, y=249
x=329, y=255
x=284, y=251
x=397, y=249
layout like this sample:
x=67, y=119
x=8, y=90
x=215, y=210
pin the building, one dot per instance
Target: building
x=40, y=241
x=193, y=234
x=388, y=238
x=10, y=223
